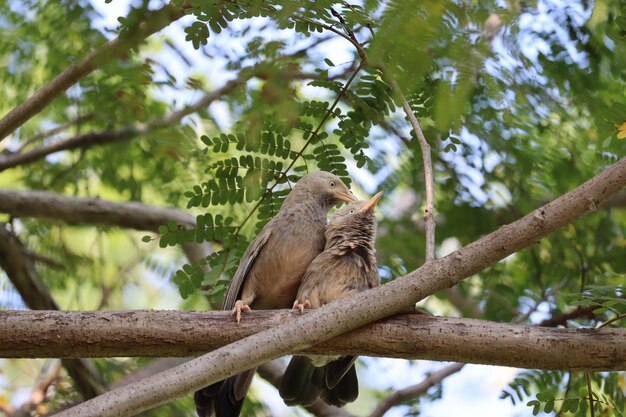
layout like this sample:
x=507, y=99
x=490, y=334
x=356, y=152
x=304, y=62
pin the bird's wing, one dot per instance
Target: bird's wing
x=247, y=260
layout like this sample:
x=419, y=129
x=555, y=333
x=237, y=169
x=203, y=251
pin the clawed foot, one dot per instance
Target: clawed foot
x=301, y=306
x=239, y=308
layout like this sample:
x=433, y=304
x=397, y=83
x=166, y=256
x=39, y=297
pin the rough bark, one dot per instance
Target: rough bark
x=411, y=336
x=348, y=314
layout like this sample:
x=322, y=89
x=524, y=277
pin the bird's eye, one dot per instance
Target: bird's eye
x=351, y=211
x=332, y=183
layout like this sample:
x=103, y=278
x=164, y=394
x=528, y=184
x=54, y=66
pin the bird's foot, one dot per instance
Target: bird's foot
x=239, y=308
x=297, y=305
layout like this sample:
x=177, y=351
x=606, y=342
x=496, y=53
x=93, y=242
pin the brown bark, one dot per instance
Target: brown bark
x=76, y=210
x=409, y=336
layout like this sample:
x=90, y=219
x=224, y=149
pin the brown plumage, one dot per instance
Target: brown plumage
x=271, y=270
x=345, y=267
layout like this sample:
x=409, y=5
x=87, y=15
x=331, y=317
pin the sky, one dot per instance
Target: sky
x=474, y=391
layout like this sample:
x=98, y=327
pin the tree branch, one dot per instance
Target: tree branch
x=153, y=22
x=408, y=336
x=75, y=210
x=347, y=314
x=429, y=181
x=126, y=133
x=54, y=130
x=416, y=390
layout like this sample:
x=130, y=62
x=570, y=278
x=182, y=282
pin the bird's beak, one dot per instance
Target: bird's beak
x=346, y=196
x=369, y=206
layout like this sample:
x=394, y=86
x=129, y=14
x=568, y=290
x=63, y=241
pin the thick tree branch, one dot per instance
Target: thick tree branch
x=153, y=22
x=416, y=390
x=342, y=316
x=409, y=336
x=21, y=271
x=75, y=210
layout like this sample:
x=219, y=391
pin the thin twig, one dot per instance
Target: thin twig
x=429, y=210
x=414, y=391
x=153, y=22
x=54, y=131
x=589, y=394
x=307, y=143
x=616, y=318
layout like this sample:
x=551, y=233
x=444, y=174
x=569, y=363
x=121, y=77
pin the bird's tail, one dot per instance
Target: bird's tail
x=205, y=399
x=224, y=398
x=335, y=383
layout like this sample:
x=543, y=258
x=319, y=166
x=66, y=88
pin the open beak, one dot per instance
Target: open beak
x=346, y=196
x=369, y=206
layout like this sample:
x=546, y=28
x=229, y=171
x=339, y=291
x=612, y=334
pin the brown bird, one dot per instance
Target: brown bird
x=271, y=270
x=345, y=267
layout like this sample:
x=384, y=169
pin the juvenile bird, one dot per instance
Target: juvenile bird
x=345, y=267
x=271, y=271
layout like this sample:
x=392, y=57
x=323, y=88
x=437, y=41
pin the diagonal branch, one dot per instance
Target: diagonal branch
x=153, y=22
x=126, y=133
x=133, y=131
x=342, y=316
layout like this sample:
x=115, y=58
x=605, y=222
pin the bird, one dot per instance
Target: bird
x=345, y=267
x=271, y=269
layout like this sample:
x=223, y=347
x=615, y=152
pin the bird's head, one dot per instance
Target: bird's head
x=355, y=222
x=326, y=187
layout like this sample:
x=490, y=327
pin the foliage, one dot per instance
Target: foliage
x=511, y=126
x=575, y=400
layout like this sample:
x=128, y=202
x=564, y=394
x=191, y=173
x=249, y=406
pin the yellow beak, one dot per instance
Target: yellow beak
x=372, y=202
x=346, y=196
